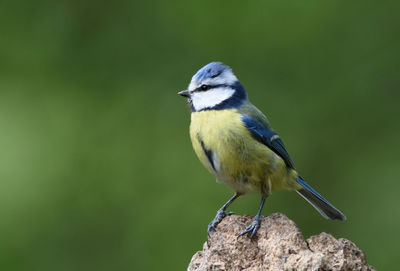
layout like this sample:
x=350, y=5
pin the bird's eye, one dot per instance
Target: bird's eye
x=204, y=87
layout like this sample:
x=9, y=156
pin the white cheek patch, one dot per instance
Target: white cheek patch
x=210, y=98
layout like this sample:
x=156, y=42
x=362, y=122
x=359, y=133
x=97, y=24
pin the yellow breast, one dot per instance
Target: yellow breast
x=238, y=160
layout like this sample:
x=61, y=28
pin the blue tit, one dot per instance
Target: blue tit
x=235, y=142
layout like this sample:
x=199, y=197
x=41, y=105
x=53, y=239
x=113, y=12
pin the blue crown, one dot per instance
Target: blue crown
x=210, y=70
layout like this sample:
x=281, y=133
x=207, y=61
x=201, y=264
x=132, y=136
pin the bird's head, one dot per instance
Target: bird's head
x=214, y=87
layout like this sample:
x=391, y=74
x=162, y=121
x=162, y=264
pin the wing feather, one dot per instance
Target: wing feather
x=267, y=137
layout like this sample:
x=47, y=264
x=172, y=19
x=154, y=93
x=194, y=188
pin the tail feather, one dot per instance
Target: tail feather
x=326, y=209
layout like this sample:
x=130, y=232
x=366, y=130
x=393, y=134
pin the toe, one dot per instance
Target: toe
x=210, y=228
x=213, y=224
x=247, y=230
x=253, y=233
x=220, y=216
x=252, y=229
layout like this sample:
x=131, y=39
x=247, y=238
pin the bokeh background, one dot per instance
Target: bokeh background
x=97, y=171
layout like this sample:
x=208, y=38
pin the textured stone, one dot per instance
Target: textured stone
x=278, y=245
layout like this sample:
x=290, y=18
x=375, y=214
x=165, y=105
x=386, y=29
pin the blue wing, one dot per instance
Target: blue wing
x=267, y=137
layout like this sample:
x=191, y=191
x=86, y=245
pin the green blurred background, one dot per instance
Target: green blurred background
x=97, y=171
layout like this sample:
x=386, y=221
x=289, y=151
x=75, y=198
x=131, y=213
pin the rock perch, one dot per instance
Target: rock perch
x=278, y=245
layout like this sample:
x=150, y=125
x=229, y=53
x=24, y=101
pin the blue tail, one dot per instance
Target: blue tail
x=326, y=209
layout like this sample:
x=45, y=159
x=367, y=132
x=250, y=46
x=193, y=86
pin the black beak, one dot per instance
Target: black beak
x=185, y=93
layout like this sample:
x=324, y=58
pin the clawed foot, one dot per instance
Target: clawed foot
x=253, y=227
x=218, y=218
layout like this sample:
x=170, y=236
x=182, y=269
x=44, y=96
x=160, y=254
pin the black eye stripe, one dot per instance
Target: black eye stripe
x=208, y=87
x=204, y=87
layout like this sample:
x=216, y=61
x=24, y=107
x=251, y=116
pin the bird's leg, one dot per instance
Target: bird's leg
x=221, y=213
x=255, y=224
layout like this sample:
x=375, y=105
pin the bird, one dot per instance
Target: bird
x=235, y=142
